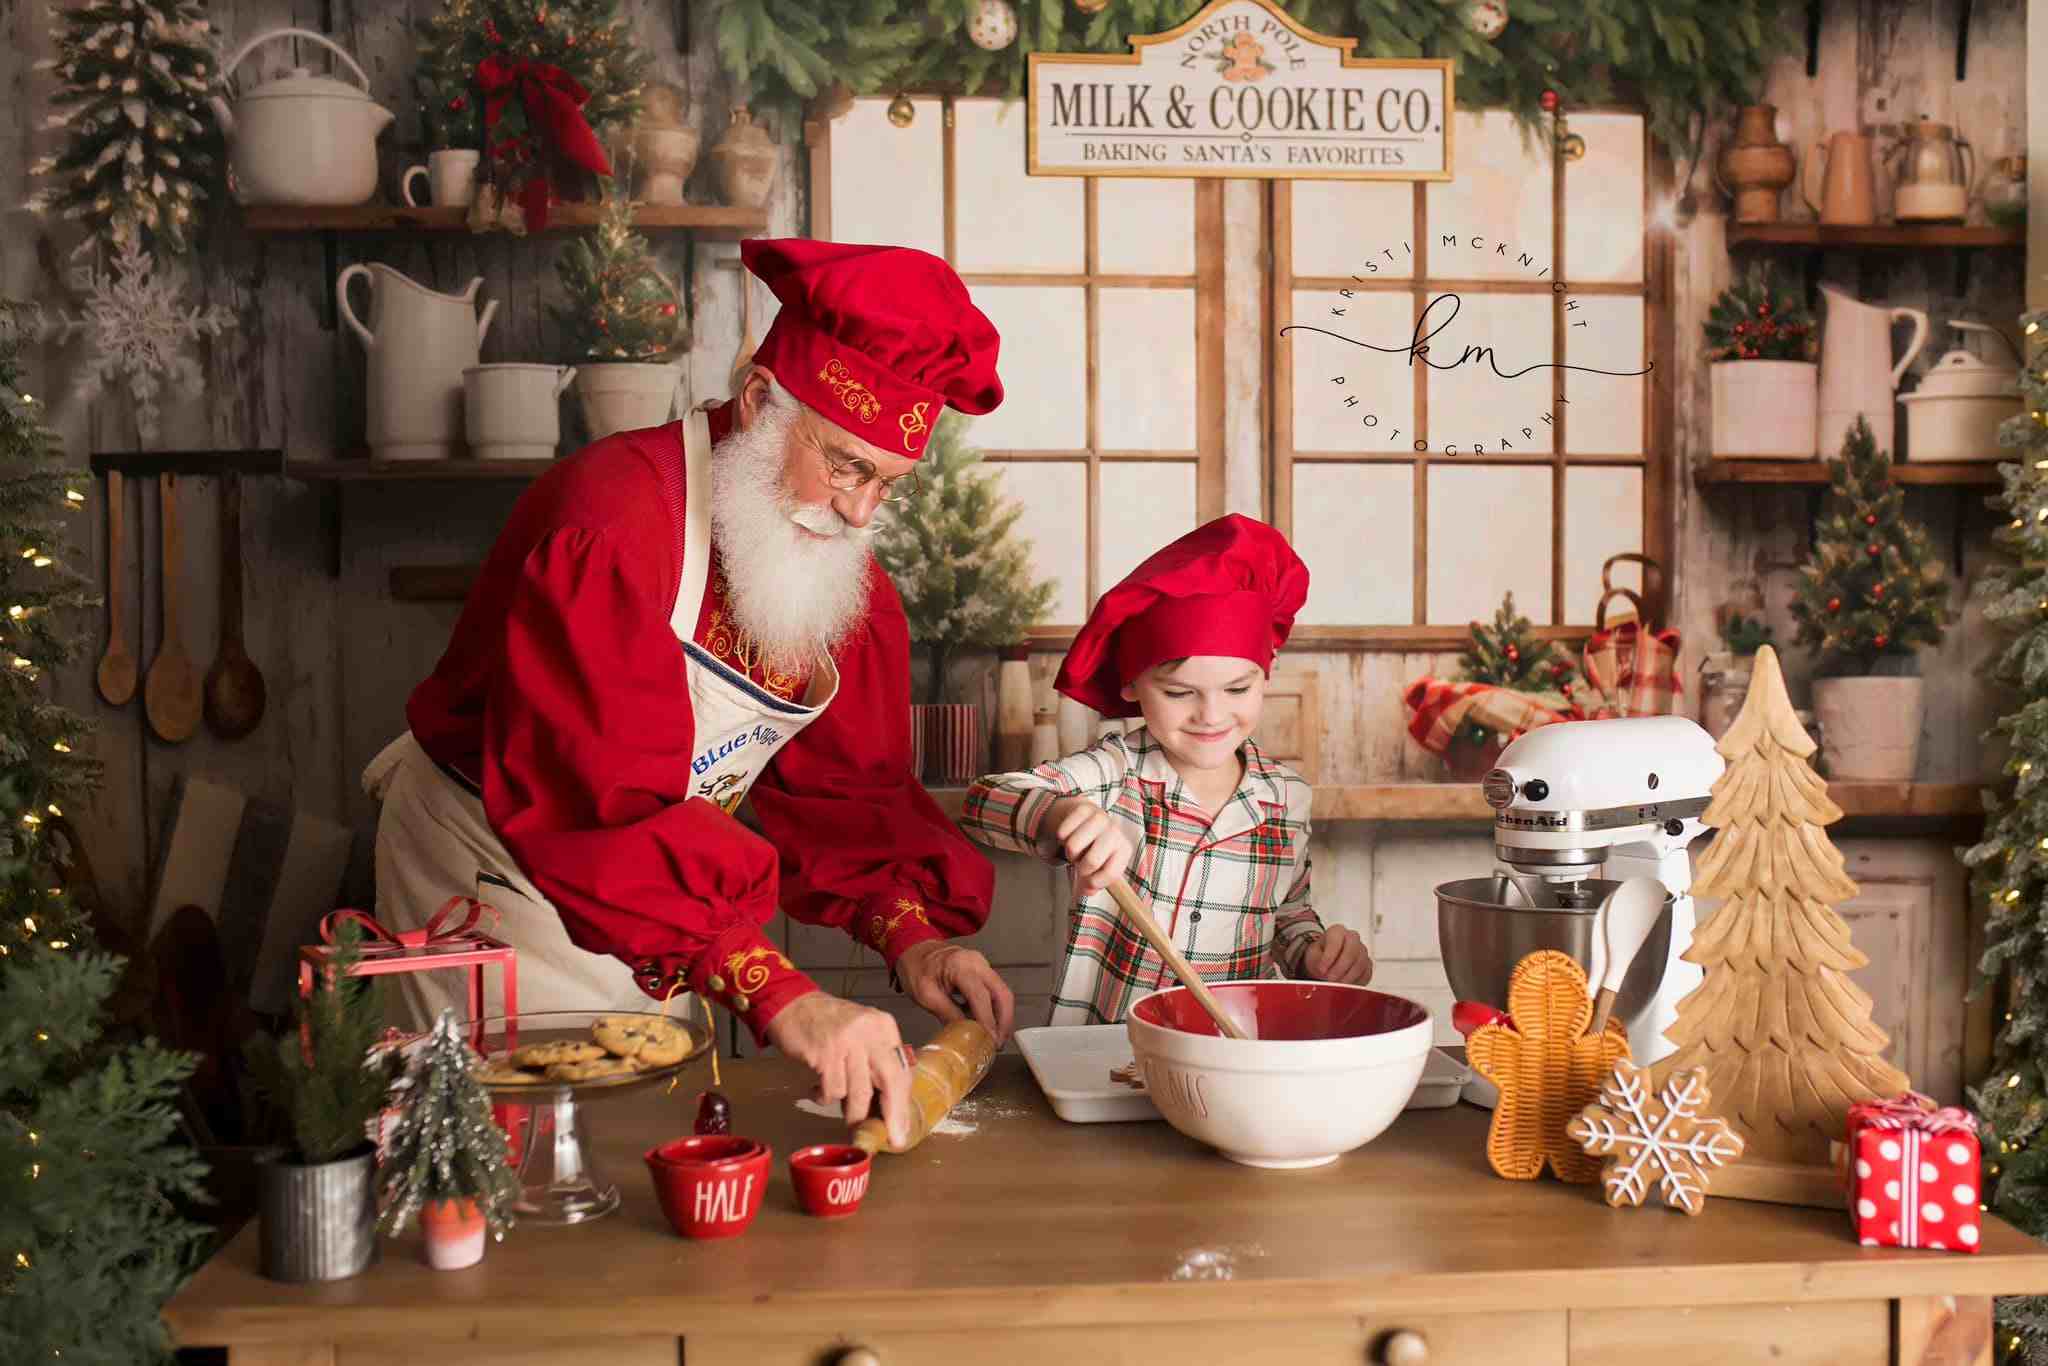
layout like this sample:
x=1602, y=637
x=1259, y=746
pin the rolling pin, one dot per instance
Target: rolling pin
x=947, y=1068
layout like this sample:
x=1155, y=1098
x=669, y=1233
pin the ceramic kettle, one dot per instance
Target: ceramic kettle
x=418, y=343
x=1847, y=198
x=1857, y=376
x=302, y=139
x=1935, y=174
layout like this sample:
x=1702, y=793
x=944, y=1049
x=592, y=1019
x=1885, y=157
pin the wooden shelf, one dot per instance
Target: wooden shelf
x=147, y=464
x=714, y=221
x=362, y=469
x=1953, y=474
x=1877, y=235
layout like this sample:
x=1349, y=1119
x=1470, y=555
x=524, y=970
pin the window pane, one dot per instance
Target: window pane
x=1145, y=226
x=1605, y=416
x=870, y=155
x=1146, y=356
x=1489, y=531
x=1003, y=219
x=1043, y=363
x=1501, y=195
x=1341, y=225
x=1470, y=403
x=1324, y=417
x=1354, y=527
x=1145, y=504
x=1603, y=200
x=1603, y=515
x=1051, y=493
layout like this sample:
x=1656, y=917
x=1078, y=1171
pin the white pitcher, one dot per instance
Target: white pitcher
x=1856, y=371
x=418, y=342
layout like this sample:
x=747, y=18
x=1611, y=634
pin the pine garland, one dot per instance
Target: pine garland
x=1874, y=589
x=1753, y=319
x=141, y=149
x=964, y=578
x=1684, y=61
x=621, y=306
x=446, y=1146
x=2009, y=866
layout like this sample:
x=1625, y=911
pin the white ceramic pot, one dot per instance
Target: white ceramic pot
x=418, y=344
x=1872, y=726
x=1325, y=1067
x=1956, y=412
x=302, y=139
x=451, y=178
x=625, y=396
x=1765, y=409
x=514, y=412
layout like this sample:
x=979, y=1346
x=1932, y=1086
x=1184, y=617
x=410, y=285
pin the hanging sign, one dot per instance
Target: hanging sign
x=1242, y=91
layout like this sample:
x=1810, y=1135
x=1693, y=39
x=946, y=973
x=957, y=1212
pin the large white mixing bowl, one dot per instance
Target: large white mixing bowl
x=1325, y=1068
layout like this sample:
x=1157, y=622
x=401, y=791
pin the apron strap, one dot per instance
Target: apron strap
x=696, y=572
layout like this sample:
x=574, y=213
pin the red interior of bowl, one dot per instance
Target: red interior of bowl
x=705, y=1150
x=1288, y=1010
x=828, y=1155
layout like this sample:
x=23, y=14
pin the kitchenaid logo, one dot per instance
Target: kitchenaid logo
x=1362, y=367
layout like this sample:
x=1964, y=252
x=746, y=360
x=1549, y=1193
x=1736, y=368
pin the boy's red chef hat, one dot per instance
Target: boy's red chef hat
x=878, y=339
x=1229, y=588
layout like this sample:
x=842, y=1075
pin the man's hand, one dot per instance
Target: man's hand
x=1093, y=841
x=934, y=972
x=856, y=1052
x=1338, y=955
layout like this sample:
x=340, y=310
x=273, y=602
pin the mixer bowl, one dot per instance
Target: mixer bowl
x=1326, y=1069
x=1484, y=930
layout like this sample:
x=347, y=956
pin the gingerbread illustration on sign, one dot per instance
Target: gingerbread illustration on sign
x=1546, y=1067
x=1243, y=58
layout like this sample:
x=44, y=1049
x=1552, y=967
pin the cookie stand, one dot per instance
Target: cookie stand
x=558, y=1184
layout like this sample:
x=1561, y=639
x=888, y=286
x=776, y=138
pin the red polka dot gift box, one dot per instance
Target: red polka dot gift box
x=1913, y=1175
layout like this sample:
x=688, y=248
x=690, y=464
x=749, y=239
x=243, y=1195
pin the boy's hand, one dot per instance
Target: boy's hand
x=1338, y=955
x=1093, y=842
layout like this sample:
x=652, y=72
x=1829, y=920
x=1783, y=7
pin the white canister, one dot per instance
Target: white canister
x=451, y=178
x=514, y=412
x=1765, y=409
x=625, y=396
x=1957, y=410
x=1076, y=725
x=1045, y=736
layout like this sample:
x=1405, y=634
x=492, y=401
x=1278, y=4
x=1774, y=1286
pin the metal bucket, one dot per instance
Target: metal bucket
x=317, y=1222
x=1486, y=925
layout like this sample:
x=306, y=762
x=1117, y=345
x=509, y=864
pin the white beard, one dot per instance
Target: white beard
x=796, y=595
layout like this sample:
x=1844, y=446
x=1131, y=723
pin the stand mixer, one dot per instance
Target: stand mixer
x=1578, y=807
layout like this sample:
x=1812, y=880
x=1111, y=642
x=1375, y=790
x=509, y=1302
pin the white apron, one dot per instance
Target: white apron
x=434, y=842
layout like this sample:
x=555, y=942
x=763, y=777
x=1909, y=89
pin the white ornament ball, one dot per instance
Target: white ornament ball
x=1487, y=18
x=994, y=25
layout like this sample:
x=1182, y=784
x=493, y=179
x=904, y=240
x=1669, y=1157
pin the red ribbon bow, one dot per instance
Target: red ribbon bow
x=437, y=933
x=1912, y=1111
x=554, y=104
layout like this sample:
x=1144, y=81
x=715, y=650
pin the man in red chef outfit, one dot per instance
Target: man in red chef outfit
x=680, y=616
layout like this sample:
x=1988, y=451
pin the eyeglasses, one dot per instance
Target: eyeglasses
x=849, y=476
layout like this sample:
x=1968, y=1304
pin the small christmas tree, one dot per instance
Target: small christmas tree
x=1508, y=655
x=2009, y=866
x=621, y=306
x=1753, y=319
x=141, y=146
x=964, y=578
x=1785, y=1036
x=91, y=1242
x=446, y=1146
x=321, y=1074
x=1874, y=589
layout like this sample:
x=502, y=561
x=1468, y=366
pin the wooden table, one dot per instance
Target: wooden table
x=1032, y=1240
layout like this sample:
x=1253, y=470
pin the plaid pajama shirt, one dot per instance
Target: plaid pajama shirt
x=1233, y=892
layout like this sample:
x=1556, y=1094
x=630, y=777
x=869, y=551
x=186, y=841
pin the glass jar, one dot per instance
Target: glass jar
x=2005, y=192
x=1724, y=683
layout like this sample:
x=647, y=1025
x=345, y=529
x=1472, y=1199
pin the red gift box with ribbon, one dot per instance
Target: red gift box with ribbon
x=1913, y=1174
x=450, y=939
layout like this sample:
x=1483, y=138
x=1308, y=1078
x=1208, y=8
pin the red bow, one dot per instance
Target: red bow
x=437, y=933
x=554, y=105
x=1912, y=1111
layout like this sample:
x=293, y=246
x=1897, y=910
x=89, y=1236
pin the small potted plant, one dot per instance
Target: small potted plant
x=1724, y=677
x=447, y=1160
x=1873, y=593
x=965, y=579
x=318, y=1215
x=1506, y=655
x=624, y=322
x=1766, y=386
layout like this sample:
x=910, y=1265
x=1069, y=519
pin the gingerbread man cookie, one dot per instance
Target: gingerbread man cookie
x=1546, y=1067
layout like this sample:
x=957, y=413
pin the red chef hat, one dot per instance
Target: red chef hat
x=877, y=339
x=1229, y=588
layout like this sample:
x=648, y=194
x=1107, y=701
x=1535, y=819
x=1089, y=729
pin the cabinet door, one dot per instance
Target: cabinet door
x=1853, y=1333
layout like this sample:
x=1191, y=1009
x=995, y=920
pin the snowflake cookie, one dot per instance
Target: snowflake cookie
x=1666, y=1139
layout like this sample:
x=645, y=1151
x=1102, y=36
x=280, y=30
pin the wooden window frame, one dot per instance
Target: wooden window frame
x=1658, y=459
x=1206, y=282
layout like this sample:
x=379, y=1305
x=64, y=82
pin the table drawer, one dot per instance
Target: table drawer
x=1463, y=1340
x=1823, y=1333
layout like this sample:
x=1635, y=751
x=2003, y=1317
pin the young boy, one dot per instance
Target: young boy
x=1212, y=833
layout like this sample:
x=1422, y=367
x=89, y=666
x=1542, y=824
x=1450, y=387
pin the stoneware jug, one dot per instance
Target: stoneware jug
x=418, y=344
x=1847, y=197
x=1756, y=165
x=1857, y=375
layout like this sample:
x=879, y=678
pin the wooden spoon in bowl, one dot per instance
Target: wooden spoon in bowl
x=1142, y=921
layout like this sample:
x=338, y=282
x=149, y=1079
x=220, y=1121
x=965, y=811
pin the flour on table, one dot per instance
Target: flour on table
x=1213, y=1263
x=966, y=1118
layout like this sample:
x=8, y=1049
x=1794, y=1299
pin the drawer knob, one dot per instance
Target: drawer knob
x=859, y=1356
x=1405, y=1348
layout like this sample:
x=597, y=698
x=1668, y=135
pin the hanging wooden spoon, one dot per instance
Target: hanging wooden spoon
x=170, y=692
x=234, y=685
x=1142, y=921
x=117, y=665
